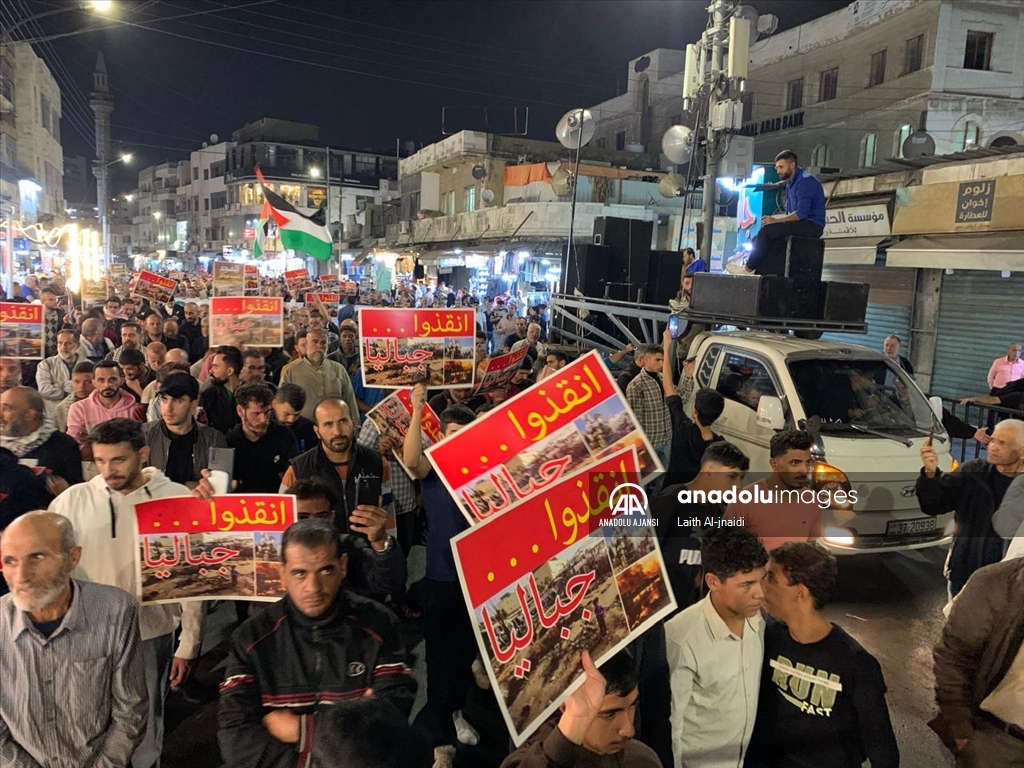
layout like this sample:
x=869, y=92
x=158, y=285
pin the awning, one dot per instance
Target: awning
x=851, y=250
x=362, y=257
x=999, y=251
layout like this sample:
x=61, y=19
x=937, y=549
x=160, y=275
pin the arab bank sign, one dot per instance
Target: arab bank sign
x=871, y=220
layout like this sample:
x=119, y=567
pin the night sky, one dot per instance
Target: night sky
x=369, y=73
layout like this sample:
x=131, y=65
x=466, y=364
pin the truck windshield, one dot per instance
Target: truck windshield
x=869, y=393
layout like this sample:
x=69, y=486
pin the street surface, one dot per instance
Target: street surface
x=891, y=603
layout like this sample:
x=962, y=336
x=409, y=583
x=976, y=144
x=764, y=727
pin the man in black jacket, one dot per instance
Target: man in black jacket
x=974, y=492
x=29, y=434
x=319, y=645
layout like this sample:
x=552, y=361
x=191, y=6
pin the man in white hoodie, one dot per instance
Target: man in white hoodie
x=103, y=513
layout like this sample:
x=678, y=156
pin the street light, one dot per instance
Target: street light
x=314, y=172
x=98, y=6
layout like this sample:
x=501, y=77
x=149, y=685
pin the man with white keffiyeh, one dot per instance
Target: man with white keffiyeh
x=31, y=435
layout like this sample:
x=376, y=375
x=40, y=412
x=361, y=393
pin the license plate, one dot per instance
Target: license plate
x=903, y=527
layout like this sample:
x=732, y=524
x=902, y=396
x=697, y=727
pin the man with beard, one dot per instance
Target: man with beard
x=91, y=713
x=156, y=355
x=31, y=435
x=190, y=328
x=288, y=402
x=172, y=338
x=805, y=217
x=53, y=376
x=319, y=378
x=53, y=320
x=107, y=401
x=137, y=375
x=94, y=345
x=153, y=325
x=254, y=368
x=263, y=447
x=81, y=388
x=217, y=399
x=340, y=461
x=178, y=445
x=103, y=513
x=131, y=338
x=787, y=518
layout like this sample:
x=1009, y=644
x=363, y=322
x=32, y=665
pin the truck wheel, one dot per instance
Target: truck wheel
x=811, y=335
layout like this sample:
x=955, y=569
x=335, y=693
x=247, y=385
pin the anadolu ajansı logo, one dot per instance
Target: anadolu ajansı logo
x=628, y=503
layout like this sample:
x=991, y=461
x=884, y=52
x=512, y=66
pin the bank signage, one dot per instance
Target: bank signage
x=774, y=124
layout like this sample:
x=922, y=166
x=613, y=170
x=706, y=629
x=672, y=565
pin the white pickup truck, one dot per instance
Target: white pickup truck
x=869, y=418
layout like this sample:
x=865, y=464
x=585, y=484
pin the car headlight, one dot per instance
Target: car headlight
x=843, y=537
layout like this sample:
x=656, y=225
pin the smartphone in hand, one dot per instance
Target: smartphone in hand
x=368, y=491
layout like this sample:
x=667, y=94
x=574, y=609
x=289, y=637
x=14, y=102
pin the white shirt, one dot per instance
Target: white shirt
x=714, y=678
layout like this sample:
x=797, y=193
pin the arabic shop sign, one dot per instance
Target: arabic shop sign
x=774, y=124
x=857, y=221
x=981, y=205
x=974, y=202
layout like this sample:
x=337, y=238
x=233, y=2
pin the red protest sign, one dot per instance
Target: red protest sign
x=157, y=289
x=190, y=549
x=574, y=417
x=298, y=281
x=250, y=320
x=21, y=331
x=401, y=347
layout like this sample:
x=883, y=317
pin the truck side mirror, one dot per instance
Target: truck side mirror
x=769, y=413
x=936, y=403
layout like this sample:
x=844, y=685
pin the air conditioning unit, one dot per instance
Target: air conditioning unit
x=405, y=227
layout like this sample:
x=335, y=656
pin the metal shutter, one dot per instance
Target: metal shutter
x=980, y=315
x=890, y=303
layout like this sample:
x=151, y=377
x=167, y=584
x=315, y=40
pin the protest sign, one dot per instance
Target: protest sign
x=325, y=298
x=329, y=283
x=401, y=347
x=228, y=278
x=392, y=417
x=119, y=269
x=21, y=331
x=348, y=288
x=298, y=281
x=94, y=291
x=565, y=571
x=251, y=321
x=499, y=371
x=230, y=548
x=575, y=416
x=159, y=290
x=252, y=280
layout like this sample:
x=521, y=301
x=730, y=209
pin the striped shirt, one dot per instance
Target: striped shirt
x=76, y=699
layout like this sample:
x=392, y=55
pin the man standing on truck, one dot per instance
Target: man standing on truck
x=805, y=216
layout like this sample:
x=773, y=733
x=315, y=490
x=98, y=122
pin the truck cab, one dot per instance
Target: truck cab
x=869, y=420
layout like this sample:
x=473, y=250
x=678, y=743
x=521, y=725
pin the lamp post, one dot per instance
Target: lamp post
x=98, y=6
x=102, y=193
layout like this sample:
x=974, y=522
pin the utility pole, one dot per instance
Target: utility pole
x=711, y=75
x=102, y=103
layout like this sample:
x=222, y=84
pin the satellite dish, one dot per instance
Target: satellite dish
x=562, y=182
x=479, y=172
x=213, y=138
x=487, y=195
x=205, y=145
x=576, y=128
x=677, y=143
x=767, y=24
x=672, y=185
x=918, y=144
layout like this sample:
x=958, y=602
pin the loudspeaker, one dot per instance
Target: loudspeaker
x=806, y=257
x=664, y=273
x=844, y=302
x=597, y=265
x=740, y=295
x=630, y=239
x=419, y=272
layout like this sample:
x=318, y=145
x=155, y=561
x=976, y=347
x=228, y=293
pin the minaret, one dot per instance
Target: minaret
x=102, y=104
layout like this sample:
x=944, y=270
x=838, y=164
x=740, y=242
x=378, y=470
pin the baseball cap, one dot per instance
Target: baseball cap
x=179, y=385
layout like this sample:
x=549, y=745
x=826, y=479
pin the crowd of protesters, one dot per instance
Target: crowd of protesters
x=131, y=399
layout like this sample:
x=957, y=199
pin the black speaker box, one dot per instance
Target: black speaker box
x=764, y=296
x=630, y=239
x=664, y=273
x=844, y=302
x=806, y=257
x=597, y=265
x=419, y=272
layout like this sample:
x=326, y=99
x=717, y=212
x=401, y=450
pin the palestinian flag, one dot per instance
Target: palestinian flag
x=259, y=247
x=305, y=233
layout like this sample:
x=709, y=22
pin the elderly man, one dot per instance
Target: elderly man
x=32, y=436
x=319, y=377
x=53, y=376
x=94, y=345
x=534, y=349
x=172, y=338
x=81, y=388
x=891, y=349
x=269, y=699
x=1006, y=369
x=53, y=320
x=103, y=514
x=156, y=355
x=973, y=492
x=74, y=694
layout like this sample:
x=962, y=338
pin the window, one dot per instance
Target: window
x=745, y=380
x=620, y=140
x=469, y=199
x=795, y=95
x=877, y=74
x=868, y=150
x=978, y=51
x=448, y=203
x=206, y=203
x=968, y=137
x=902, y=134
x=820, y=155
x=218, y=200
x=206, y=174
x=828, y=84
x=195, y=174
x=912, y=54
x=195, y=203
